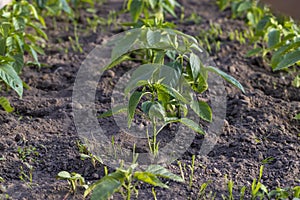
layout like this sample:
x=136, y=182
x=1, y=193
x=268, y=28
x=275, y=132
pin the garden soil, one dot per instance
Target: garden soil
x=259, y=127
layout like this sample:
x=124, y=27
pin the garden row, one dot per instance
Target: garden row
x=163, y=101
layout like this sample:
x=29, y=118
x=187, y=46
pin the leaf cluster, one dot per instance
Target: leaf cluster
x=151, y=12
x=275, y=35
x=127, y=179
x=74, y=179
x=16, y=39
x=173, y=68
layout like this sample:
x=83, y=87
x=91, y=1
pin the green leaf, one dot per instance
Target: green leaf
x=113, y=111
x=64, y=175
x=123, y=46
x=143, y=72
x=157, y=110
x=296, y=81
x=117, y=61
x=6, y=59
x=132, y=104
x=163, y=172
x=19, y=62
x=11, y=78
x=6, y=26
x=10, y=44
x=264, y=189
x=153, y=37
x=251, y=18
x=106, y=186
x=38, y=49
x=202, y=109
x=159, y=57
x=262, y=25
x=34, y=55
x=136, y=7
x=288, y=60
x=163, y=96
x=189, y=123
x=38, y=30
x=66, y=7
x=149, y=178
x=170, y=74
x=277, y=55
x=18, y=23
x=192, y=125
x=2, y=46
x=171, y=91
x=227, y=77
x=253, y=52
x=19, y=41
x=297, y=117
x=273, y=37
x=284, y=48
x=169, y=9
x=244, y=6
x=195, y=65
x=4, y=102
x=146, y=106
x=41, y=19
x=34, y=12
x=153, y=3
x=200, y=85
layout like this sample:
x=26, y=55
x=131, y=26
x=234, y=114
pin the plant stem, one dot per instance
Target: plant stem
x=155, y=150
x=128, y=188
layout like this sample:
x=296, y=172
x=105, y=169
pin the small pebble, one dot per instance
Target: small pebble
x=141, y=127
x=215, y=170
x=95, y=176
x=2, y=189
x=75, y=105
x=232, y=69
x=111, y=73
x=250, y=119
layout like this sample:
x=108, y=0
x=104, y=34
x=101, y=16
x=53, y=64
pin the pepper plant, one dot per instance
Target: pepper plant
x=150, y=12
x=126, y=180
x=15, y=40
x=278, y=36
x=74, y=179
x=170, y=69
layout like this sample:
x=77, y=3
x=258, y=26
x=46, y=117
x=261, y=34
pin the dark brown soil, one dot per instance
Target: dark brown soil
x=259, y=124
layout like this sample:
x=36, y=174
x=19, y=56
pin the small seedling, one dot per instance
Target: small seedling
x=181, y=170
x=192, y=168
x=24, y=176
x=154, y=193
x=86, y=154
x=297, y=117
x=153, y=12
x=267, y=160
x=296, y=82
x=26, y=153
x=74, y=179
x=210, y=39
x=126, y=180
x=230, y=191
x=202, y=192
x=258, y=190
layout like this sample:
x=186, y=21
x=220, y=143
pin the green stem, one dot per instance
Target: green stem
x=155, y=150
x=128, y=188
